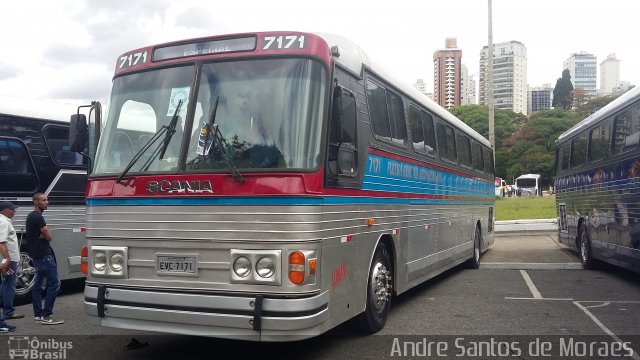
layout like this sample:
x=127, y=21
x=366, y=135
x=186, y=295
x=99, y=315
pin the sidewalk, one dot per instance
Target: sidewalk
x=520, y=226
x=528, y=244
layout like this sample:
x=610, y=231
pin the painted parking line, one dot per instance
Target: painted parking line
x=585, y=309
x=534, y=290
x=532, y=287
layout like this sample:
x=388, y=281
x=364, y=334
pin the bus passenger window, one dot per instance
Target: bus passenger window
x=446, y=142
x=16, y=170
x=464, y=149
x=57, y=139
x=476, y=156
x=429, y=134
x=579, y=151
x=565, y=152
x=488, y=161
x=416, y=129
x=599, y=145
x=627, y=131
x=378, y=110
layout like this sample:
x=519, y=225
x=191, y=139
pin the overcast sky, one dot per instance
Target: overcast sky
x=59, y=49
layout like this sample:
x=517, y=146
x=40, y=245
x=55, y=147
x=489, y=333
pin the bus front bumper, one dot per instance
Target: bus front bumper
x=256, y=318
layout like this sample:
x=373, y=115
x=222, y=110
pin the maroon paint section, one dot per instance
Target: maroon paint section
x=221, y=184
x=315, y=47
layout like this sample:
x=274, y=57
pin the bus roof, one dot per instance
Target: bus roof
x=529, y=176
x=37, y=109
x=604, y=112
x=353, y=57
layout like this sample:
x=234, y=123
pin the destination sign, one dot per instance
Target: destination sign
x=204, y=48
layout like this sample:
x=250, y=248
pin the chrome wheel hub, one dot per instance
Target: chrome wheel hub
x=380, y=286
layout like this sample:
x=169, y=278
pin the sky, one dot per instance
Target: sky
x=66, y=49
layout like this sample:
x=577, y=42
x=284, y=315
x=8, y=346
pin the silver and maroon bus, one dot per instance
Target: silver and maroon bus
x=270, y=186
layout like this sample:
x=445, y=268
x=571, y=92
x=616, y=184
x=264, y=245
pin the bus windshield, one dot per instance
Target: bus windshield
x=268, y=113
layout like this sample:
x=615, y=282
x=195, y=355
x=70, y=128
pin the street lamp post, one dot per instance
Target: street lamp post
x=492, y=137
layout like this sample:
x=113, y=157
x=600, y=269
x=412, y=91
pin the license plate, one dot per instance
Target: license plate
x=177, y=264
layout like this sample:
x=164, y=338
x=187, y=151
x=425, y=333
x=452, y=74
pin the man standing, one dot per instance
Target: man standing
x=7, y=235
x=39, y=238
x=8, y=288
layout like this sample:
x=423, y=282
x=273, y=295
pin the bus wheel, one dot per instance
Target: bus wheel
x=474, y=262
x=585, y=250
x=25, y=276
x=379, y=292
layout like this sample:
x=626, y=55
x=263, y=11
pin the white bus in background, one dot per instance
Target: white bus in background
x=529, y=184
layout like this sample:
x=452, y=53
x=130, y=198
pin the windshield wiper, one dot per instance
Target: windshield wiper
x=220, y=144
x=167, y=131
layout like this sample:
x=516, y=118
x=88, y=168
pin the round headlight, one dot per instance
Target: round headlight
x=242, y=267
x=99, y=260
x=116, y=262
x=266, y=267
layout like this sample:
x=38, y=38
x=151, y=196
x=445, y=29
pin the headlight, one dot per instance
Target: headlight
x=265, y=267
x=108, y=261
x=99, y=260
x=242, y=267
x=116, y=262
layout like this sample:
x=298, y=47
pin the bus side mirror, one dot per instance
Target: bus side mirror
x=78, y=133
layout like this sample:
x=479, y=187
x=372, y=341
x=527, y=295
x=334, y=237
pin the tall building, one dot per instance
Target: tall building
x=509, y=76
x=421, y=86
x=540, y=98
x=583, y=69
x=447, y=78
x=468, y=94
x=609, y=74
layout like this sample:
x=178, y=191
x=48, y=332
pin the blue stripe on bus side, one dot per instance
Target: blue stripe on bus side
x=383, y=174
x=288, y=200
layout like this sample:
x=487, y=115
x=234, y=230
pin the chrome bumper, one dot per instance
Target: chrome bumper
x=256, y=318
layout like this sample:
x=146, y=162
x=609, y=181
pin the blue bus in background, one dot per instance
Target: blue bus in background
x=598, y=185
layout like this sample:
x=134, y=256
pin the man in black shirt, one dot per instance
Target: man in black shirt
x=38, y=241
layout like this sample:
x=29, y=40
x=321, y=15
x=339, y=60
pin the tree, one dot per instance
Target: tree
x=594, y=105
x=562, y=93
x=477, y=117
x=580, y=97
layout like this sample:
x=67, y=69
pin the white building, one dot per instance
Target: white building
x=609, y=74
x=468, y=96
x=509, y=76
x=582, y=67
x=421, y=86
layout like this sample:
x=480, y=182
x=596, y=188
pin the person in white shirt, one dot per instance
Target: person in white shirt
x=10, y=252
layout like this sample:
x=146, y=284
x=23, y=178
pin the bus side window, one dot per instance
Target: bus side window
x=16, y=169
x=627, y=131
x=57, y=140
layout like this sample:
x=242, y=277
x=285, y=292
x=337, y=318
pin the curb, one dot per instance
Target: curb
x=531, y=266
x=530, y=225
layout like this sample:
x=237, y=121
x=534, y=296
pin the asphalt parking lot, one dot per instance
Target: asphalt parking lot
x=530, y=296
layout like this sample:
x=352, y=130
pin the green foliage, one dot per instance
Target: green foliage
x=563, y=92
x=476, y=116
x=526, y=207
x=594, y=105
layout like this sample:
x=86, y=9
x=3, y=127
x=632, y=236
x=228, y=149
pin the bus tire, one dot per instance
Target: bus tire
x=379, y=293
x=474, y=262
x=584, y=249
x=25, y=276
